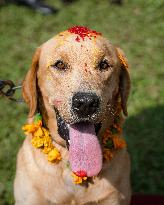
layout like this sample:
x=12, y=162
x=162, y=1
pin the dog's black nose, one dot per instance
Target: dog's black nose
x=85, y=104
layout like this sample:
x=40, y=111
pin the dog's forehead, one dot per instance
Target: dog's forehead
x=72, y=44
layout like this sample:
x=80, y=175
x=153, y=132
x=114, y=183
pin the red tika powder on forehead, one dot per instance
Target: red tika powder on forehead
x=83, y=32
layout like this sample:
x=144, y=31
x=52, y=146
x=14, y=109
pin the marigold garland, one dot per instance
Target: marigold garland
x=42, y=140
x=111, y=140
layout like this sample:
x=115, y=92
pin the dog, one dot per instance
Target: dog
x=79, y=82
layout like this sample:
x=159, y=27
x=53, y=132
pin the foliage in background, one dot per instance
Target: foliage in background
x=138, y=28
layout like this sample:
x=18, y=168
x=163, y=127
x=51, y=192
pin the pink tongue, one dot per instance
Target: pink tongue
x=84, y=152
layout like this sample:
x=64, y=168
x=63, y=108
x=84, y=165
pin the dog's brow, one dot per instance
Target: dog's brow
x=61, y=56
x=97, y=54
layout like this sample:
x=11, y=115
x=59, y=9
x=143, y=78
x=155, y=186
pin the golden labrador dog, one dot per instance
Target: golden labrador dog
x=79, y=83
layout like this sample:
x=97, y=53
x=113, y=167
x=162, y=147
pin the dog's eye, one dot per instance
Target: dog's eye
x=103, y=65
x=60, y=65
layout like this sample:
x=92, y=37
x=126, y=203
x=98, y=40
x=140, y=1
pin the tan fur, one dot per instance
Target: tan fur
x=39, y=182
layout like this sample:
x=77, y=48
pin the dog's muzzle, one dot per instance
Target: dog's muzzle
x=84, y=104
x=84, y=147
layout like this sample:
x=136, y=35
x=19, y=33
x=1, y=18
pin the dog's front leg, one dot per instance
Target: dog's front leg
x=25, y=194
x=31, y=200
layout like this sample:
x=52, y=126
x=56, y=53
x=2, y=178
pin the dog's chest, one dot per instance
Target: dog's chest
x=66, y=192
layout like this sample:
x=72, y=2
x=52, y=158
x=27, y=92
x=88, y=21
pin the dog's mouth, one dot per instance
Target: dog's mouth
x=85, y=154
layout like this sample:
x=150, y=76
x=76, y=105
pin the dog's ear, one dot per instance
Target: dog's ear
x=29, y=90
x=124, y=86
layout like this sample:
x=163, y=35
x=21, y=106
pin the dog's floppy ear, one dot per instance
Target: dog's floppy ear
x=124, y=86
x=29, y=91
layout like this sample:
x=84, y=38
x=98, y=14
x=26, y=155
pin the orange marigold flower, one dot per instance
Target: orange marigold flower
x=106, y=136
x=39, y=123
x=77, y=179
x=118, y=142
x=119, y=129
x=29, y=128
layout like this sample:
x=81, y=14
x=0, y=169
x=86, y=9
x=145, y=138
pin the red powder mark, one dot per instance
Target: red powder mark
x=83, y=32
x=77, y=39
x=81, y=173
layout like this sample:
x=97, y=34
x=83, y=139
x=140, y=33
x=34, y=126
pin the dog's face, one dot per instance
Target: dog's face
x=79, y=77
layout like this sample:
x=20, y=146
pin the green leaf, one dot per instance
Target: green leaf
x=37, y=118
x=114, y=130
x=109, y=144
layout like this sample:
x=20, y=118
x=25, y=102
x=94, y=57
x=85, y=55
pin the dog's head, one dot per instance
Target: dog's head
x=77, y=77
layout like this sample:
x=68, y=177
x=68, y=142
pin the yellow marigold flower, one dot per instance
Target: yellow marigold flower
x=37, y=142
x=119, y=142
x=46, y=132
x=42, y=139
x=77, y=179
x=54, y=155
x=46, y=150
x=38, y=132
x=47, y=141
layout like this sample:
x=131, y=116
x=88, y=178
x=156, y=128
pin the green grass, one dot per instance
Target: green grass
x=138, y=28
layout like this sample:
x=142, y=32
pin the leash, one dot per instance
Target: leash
x=8, y=88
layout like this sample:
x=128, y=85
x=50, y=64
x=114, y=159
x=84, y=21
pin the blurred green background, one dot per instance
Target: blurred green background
x=138, y=28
